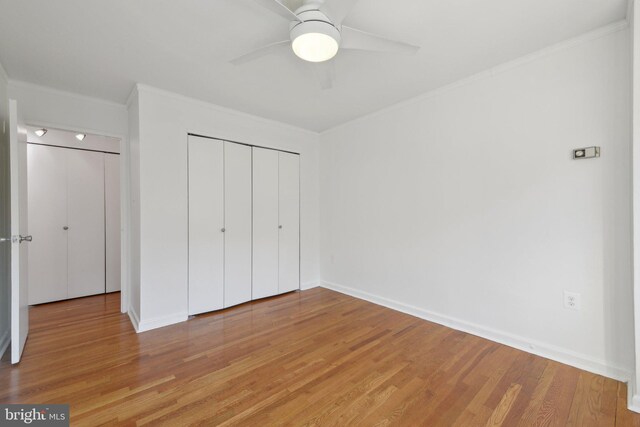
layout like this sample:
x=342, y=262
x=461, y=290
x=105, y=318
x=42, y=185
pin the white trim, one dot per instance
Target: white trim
x=60, y=92
x=309, y=285
x=5, y=341
x=548, y=51
x=204, y=104
x=135, y=320
x=558, y=354
x=159, y=322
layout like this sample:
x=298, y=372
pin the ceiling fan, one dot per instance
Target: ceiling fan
x=316, y=34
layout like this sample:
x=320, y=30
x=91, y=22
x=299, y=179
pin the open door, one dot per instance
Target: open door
x=19, y=233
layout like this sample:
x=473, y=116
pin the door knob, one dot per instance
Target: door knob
x=65, y=228
x=26, y=239
x=223, y=230
x=280, y=227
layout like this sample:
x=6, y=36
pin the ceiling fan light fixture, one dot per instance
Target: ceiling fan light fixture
x=315, y=41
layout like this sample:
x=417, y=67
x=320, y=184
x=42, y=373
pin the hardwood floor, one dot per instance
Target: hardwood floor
x=307, y=358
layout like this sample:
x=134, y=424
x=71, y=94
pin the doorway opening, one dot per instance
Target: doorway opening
x=74, y=214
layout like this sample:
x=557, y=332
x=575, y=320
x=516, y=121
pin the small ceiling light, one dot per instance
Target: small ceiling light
x=40, y=132
x=81, y=136
x=315, y=41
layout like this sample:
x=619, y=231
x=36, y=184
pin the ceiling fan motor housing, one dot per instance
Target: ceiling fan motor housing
x=313, y=21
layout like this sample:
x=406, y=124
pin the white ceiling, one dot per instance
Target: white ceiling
x=101, y=48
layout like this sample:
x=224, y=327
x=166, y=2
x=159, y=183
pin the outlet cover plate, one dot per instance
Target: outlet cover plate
x=572, y=300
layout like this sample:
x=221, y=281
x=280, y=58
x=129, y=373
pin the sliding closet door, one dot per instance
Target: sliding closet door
x=85, y=205
x=47, y=169
x=265, y=222
x=112, y=220
x=206, y=225
x=289, y=212
x=237, y=224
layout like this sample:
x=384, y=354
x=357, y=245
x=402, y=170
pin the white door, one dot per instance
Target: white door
x=19, y=233
x=265, y=222
x=237, y=224
x=85, y=207
x=289, y=226
x=47, y=176
x=206, y=225
x=112, y=220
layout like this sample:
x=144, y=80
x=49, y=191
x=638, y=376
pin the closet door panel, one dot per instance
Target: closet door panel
x=206, y=221
x=112, y=220
x=265, y=223
x=86, y=222
x=289, y=214
x=237, y=238
x=47, y=182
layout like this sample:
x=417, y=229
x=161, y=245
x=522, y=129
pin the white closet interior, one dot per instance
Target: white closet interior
x=244, y=216
x=74, y=217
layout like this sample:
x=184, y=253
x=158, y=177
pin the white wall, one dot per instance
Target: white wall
x=5, y=231
x=465, y=206
x=165, y=119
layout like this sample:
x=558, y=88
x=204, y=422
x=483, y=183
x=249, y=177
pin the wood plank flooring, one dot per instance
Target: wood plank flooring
x=307, y=358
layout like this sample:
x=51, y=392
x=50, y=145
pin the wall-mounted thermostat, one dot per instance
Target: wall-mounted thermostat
x=586, y=153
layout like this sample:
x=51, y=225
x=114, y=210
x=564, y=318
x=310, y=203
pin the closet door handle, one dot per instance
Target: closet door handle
x=65, y=228
x=223, y=230
x=280, y=227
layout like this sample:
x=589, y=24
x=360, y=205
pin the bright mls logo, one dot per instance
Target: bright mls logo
x=34, y=415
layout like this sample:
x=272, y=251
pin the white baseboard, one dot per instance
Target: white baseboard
x=159, y=322
x=558, y=354
x=309, y=285
x=135, y=320
x=5, y=340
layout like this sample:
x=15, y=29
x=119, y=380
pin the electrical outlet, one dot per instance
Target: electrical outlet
x=572, y=300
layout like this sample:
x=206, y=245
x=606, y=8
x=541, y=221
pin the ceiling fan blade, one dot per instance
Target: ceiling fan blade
x=260, y=52
x=361, y=40
x=338, y=10
x=325, y=72
x=276, y=6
